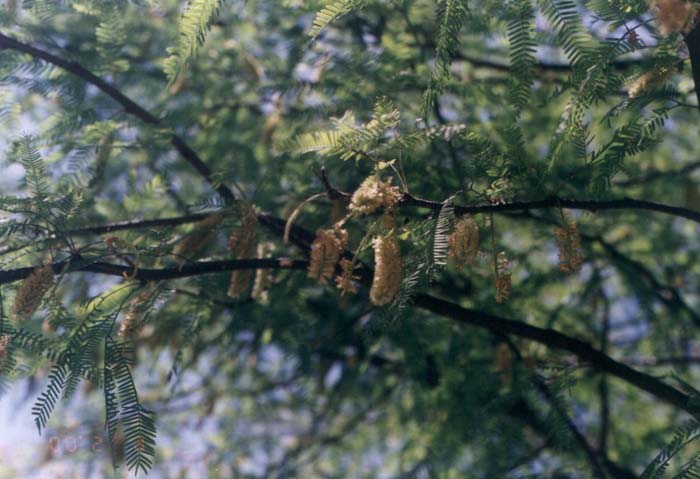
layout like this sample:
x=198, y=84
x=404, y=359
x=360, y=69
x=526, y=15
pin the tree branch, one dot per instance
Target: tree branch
x=131, y=107
x=148, y=274
x=557, y=340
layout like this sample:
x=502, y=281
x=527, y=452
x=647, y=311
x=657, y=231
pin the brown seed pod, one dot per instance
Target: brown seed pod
x=387, y=273
x=32, y=291
x=463, y=243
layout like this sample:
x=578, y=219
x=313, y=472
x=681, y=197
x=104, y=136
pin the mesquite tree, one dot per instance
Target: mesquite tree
x=358, y=238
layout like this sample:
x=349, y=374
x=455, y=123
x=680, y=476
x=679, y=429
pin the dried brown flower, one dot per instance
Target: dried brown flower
x=373, y=194
x=502, y=279
x=344, y=280
x=325, y=253
x=242, y=243
x=569, y=243
x=32, y=291
x=189, y=246
x=463, y=243
x=387, y=273
x=674, y=16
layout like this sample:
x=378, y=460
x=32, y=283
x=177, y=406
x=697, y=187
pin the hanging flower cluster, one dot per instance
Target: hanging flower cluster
x=191, y=245
x=569, y=243
x=131, y=325
x=32, y=291
x=345, y=280
x=242, y=243
x=463, y=242
x=263, y=277
x=325, y=253
x=373, y=194
x=653, y=78
x=674, y=16
x=502, y=279
x=387, y=273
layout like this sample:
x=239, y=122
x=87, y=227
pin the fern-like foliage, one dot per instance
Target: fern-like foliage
x=686, y=434
x=195, y=23
x=522, y=48
x=451, y=17
x=125, y=411
x=332, y=12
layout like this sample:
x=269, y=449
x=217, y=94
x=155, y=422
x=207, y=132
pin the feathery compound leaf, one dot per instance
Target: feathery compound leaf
x=451, y=17
x=331, y=13
x=442, y=232
x=522, y=49
x=197, y=19
x=46, y=403
x=687, y=433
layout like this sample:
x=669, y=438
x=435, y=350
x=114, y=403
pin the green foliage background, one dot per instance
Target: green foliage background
x=517, y=112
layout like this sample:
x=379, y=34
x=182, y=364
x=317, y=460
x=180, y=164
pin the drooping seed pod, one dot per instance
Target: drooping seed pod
x=345, y=280
x=463, y=243
x=653, y=78
x=569, y=243
x=674, y=16
x=190, y=246
x=502, y=279
x=387, y=272
x=242, y=244
x=32, y=291
x=325, y=253
x=263, y=277
x=373, y=194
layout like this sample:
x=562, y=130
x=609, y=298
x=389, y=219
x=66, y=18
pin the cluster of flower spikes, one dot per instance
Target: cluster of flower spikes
x=502, y=279
x=32, y=291
x=191, y=245
x=569, y=243
x=672, y=16
x=241, y=243
x=325, y=252
x=463, y=242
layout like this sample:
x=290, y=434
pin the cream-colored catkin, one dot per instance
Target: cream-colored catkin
x=4, y=343
x=131, y=322
x=189, y=246
x=387, y=272
x=674, y=16
x=242, y=244
x=463, y=242
x=569, y=244
x=32, y=291
x=345, y=280
x=263, y=277
x=654, y=78
x=325, y=253
x=373, y=194
x=502, y=279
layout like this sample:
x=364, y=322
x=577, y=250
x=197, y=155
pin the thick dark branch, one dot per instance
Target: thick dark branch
x=194, y=269
x=554, y=202
x=557, y=340
x=692, y=40
x=131, y=107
